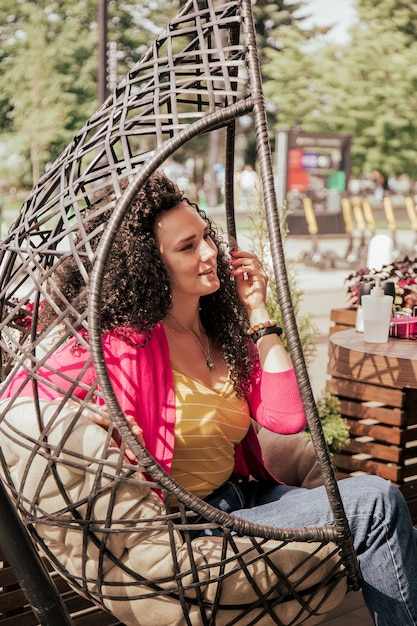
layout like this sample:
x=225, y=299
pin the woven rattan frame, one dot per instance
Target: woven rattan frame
x=199, y=76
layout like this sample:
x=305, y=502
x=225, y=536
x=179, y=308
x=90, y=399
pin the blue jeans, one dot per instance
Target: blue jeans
x=383, y=535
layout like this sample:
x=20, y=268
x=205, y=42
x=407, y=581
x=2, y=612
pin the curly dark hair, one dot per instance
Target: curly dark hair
x=136, y=290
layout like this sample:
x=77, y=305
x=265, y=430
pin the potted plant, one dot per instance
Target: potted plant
x=403, y=273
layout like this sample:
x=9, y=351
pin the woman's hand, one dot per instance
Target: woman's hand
x=106, y=423
x=251, y=283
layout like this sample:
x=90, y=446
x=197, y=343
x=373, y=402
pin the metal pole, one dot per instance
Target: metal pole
x=102, y=51
x=20, y=552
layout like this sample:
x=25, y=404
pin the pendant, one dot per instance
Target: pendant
x=210, y=364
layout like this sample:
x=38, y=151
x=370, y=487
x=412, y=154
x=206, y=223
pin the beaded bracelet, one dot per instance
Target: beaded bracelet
x=257, y=331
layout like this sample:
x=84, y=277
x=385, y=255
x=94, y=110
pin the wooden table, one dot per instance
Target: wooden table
x=377, y=388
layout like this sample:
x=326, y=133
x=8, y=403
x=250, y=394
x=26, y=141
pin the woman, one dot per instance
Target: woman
x=191, y=366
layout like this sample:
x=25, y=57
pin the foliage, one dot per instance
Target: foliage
x=42, y=89
x=366, y=88
x=281, y=34
x=379, y=95
x=260, y=245
x=49, y=69
x=335, y=428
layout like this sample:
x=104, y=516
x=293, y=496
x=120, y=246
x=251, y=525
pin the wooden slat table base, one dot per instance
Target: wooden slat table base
x=376, y=385
x=15, y=610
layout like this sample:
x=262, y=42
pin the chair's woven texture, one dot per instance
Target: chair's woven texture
x=89, y=511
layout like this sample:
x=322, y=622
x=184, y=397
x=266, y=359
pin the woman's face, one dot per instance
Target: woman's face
x=188, y=251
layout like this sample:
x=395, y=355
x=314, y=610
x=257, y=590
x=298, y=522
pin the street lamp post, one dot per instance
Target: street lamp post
x=102, y=51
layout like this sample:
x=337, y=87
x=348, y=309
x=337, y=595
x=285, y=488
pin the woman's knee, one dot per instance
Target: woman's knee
x=374, y=495
x=384, y=488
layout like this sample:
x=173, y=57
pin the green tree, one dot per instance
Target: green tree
x=271, y=16
x=378, y=82
x=366, y=88
x=291, y=81
x=281, y=34
x=49, y=68
x=388, y=15
x=41, y=103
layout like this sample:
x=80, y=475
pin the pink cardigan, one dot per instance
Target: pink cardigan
x=143, y=384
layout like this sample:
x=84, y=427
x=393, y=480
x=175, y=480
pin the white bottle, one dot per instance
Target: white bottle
x=377, y=313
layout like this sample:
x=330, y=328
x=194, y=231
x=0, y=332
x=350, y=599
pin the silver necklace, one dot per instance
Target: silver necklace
x=207, y=356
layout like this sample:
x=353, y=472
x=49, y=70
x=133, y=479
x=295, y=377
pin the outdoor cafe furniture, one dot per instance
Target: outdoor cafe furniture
x=377, y=388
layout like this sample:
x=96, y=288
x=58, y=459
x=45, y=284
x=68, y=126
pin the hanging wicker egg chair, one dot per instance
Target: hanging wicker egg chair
x=99, y=520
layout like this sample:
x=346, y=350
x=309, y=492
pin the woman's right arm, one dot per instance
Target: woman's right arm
x=274, y=399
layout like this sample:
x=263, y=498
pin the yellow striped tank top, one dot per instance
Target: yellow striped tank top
x=209, y=424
